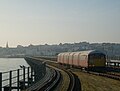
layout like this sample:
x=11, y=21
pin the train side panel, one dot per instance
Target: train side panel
x=66, y=58
x=83, y=61
x=71, y=58
x=75, y=59
x=59, y=58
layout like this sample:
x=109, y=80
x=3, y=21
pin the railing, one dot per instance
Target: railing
x=16, y=79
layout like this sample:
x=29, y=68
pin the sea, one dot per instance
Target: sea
x=9, y=64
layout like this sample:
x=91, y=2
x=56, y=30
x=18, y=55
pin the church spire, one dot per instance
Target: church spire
x=7, y=45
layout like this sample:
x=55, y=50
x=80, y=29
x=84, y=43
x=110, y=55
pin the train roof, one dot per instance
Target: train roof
x=83, y=52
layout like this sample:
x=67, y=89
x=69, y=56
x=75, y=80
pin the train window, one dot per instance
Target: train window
x=97, y=56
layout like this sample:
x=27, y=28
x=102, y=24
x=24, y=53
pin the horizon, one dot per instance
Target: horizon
x=56, y=44
x=37, y=22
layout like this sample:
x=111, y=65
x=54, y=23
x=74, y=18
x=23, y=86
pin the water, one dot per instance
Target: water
x=7, y=64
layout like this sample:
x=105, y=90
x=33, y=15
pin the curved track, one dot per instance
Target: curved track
x=51, y=83
x=72, y=81
x=74, y=84
x=54, y=82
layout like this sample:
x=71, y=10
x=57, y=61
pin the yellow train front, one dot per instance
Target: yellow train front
x=96, y=61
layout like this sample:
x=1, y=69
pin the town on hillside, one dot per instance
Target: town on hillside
x=112, y=50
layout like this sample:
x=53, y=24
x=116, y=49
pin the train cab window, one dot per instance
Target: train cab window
x=97, y=56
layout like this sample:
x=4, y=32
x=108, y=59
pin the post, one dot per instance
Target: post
x=0, y=81
x=23, y=77
x=32, y=74
x=10, y=80
x=28, y=77
x=18, y=79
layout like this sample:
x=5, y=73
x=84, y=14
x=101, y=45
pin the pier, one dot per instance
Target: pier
x=16, y=79
x=21, y=79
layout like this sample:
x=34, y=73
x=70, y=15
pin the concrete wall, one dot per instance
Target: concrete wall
x=38, y=66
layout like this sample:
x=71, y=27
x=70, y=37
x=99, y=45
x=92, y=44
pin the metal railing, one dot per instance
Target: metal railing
x=16, y=79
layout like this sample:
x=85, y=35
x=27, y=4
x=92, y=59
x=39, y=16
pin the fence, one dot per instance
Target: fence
x=16, y=79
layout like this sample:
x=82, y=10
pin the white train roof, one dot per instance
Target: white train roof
x=82, y=52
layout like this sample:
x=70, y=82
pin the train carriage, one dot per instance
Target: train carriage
x=76, y=59
x=66, y=58
x=85, y=59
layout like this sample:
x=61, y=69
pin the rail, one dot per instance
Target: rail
x=74, y=84
x=55, y=83
x=51, y=83
x=72, y=80
x=16, y=79
x=40, y=83
x=108, y=75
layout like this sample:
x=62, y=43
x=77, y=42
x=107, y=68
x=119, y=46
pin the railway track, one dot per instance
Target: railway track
x=74, y=84
x=114, y=73
x=72, y=81
x=51, y=83
x=108, y=75
x=35, y=86
x=55, y=81
x=113, y=69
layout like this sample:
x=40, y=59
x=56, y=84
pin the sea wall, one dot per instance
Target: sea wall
x=38, y=67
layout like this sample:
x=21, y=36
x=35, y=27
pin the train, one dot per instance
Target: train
x=88, y=60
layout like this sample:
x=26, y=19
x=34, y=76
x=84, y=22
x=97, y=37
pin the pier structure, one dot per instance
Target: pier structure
x=18, y=79
x=114, y=63
x=21, y=79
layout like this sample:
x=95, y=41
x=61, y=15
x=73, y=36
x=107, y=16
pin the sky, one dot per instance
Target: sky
x=24, y=22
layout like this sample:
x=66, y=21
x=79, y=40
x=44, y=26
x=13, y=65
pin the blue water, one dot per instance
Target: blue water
x=7, y=64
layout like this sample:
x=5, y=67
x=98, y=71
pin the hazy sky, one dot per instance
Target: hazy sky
x=37, y=22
